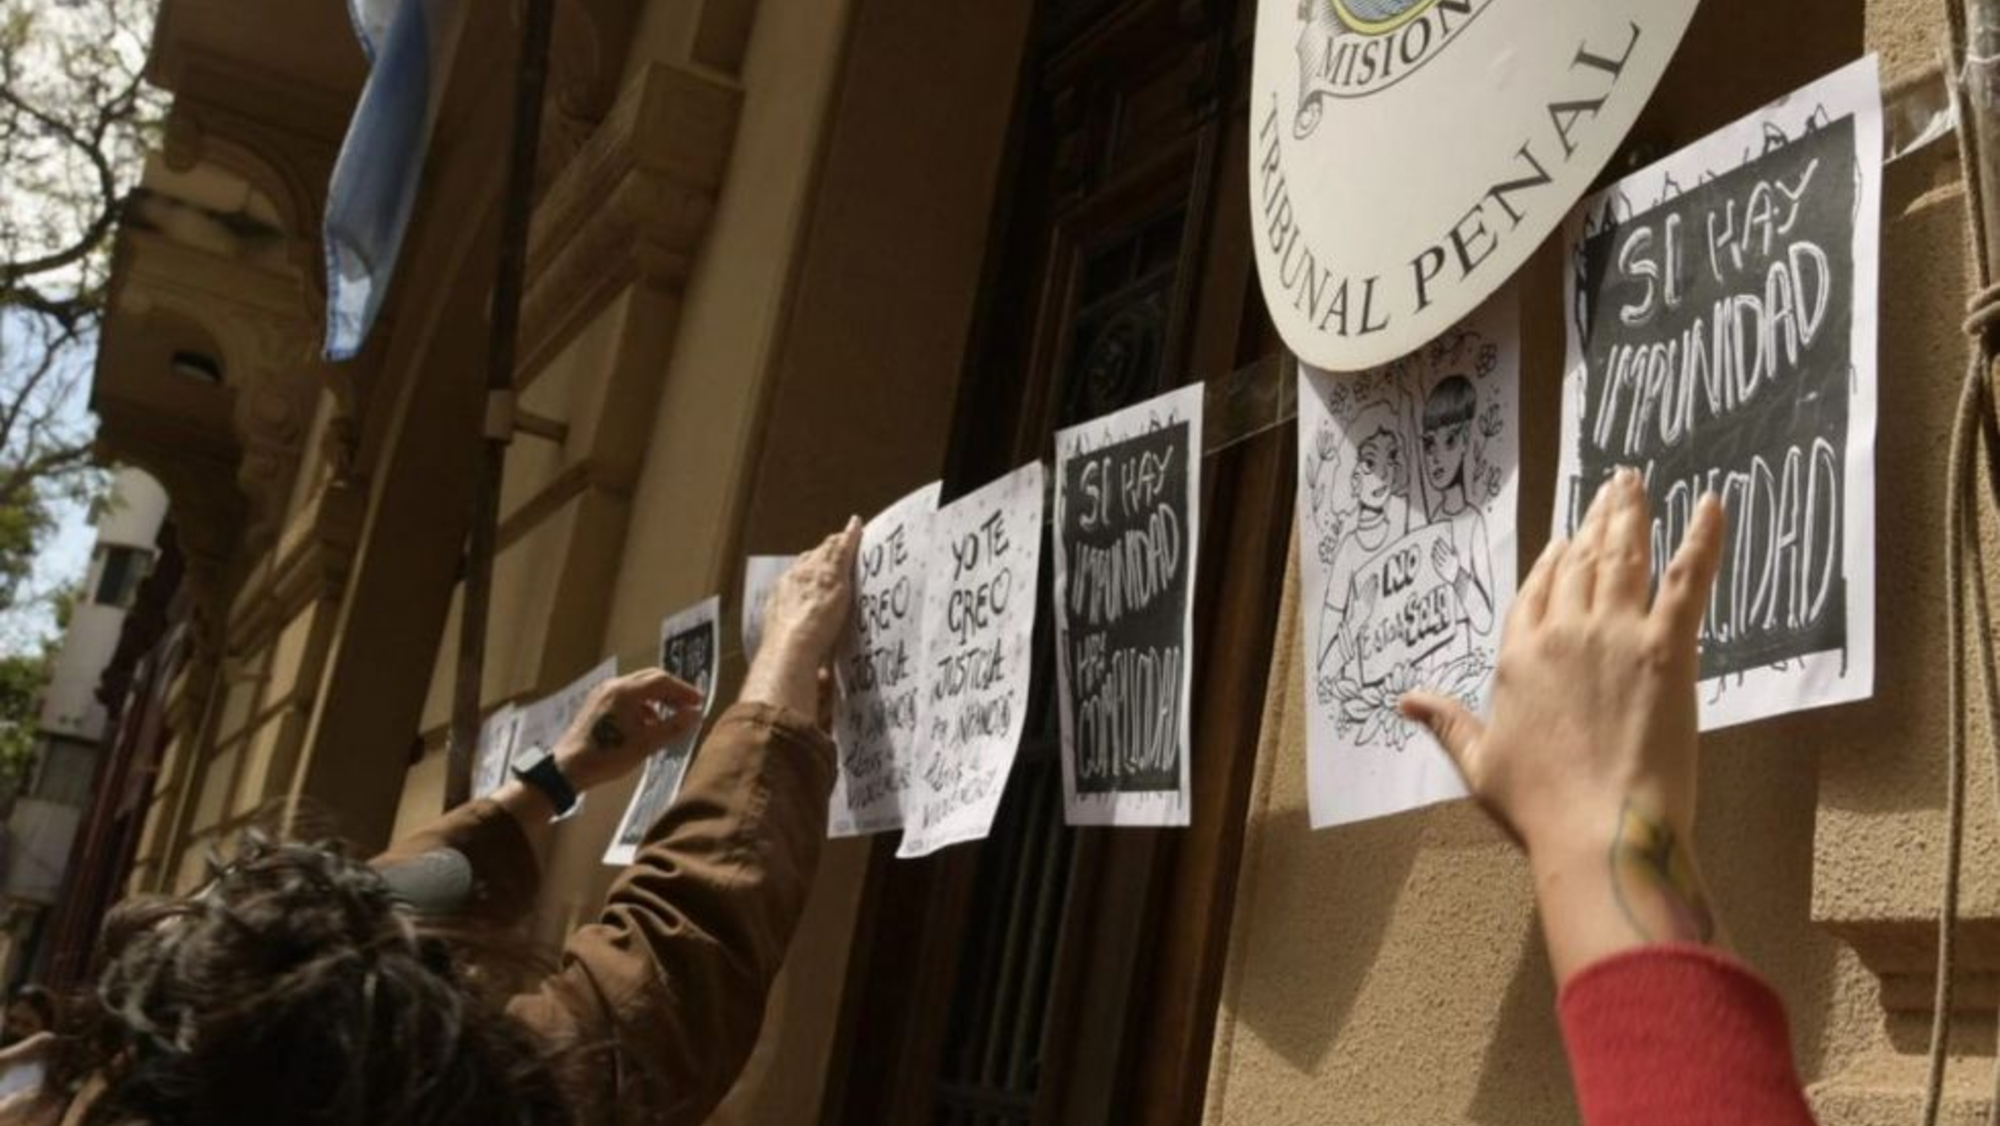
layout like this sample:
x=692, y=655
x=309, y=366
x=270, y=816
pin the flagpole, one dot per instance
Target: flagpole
x=498, y=423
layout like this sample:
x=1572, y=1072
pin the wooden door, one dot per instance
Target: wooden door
x=1048, y=974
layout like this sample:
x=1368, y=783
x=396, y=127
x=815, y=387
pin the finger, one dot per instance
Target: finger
x=1531, y=605
x=1690, y=576
x=1576, y=576
x=675, y=725
x=1454, y=725
x=1625, y=571
x=850, y=545
x=826, y=697
x=662, y=687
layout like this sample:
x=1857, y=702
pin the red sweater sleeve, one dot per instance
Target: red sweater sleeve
x=1679, y=1036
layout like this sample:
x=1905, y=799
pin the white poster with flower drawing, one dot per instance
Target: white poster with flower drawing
x=1407, y=490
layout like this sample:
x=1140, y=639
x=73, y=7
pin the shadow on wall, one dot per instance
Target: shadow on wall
x=1331, y=896
x=1395, y=968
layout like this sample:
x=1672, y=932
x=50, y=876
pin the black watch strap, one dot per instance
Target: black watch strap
x=547, y=777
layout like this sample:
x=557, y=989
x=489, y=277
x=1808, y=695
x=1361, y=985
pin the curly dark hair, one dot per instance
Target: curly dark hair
x=294, y=988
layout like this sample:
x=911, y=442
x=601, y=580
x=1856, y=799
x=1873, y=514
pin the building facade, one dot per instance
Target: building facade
x=43, y=817
x=790, y=260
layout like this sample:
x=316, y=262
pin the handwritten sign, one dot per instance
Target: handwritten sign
x=978, y=628
x=760, y=574
x=1723, y=339
x=1406, y=156
x=1127, y=489
x=880, y=666
x=534, y=729
x=1407, y=510
x=689, y=647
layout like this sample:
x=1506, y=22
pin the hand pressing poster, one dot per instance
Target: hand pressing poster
x=978, y=629
x=760, y=574
x=880, y=665
x=1127, y=524
x=538, y=725
x=688, y=650
x=1407, y=491
x=1722, y=338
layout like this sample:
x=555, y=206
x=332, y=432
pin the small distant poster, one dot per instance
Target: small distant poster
x=978, y=629
x=532, y=731
x=1128, y=489
x=688, y=650
x=760, y=576
x=880, y=666
x=496, y=744
x=1407, y=510
x=1722, y=339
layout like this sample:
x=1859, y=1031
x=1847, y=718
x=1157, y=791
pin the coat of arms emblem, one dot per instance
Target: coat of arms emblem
x=1354, y=48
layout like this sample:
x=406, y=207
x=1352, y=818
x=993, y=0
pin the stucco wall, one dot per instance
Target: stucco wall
x=1394, y=972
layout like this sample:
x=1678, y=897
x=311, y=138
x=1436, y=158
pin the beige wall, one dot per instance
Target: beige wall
x=1393, y=971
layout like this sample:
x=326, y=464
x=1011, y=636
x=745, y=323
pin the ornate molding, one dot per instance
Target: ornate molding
x=631, y=207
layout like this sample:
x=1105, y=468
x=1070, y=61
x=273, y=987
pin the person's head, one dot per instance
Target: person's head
x=1448, y=415
x=295, y=988
x=1378, y=469
x=31, y=1010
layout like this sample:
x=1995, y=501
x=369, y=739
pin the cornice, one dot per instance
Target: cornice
x=632, y=206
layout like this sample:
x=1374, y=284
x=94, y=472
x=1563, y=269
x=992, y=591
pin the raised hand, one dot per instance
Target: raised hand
x=625, y=720
x=808, y=608
x=1589, y=761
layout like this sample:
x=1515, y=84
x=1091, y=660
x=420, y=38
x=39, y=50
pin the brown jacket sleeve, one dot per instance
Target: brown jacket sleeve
x=505, y=872
x=658, y=1004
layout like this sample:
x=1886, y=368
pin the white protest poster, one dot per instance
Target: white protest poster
x=1408, y=483
x=978, y=629
x=536, y=727
x=1128, y=501
x=496, y=744
x=760, y=574
x=1722, y=323
x=689, y=645
x=880, y=665
x=1406, y=156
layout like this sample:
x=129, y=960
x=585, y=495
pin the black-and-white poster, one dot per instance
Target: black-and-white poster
x=880, y=665
x=978, y=629
x=760, y=576
x=1128, y=489
x=1722, y=339
x=689, y=647
x=1408, y=489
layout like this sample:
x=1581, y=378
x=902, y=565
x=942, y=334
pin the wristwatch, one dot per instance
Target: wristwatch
x=547, y=777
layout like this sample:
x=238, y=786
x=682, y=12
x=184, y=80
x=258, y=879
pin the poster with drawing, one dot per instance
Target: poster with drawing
x=760, y=574
x=879, y=662
x=1407, y=512
x=536, y=727
x=1722, y=338
x=689, y=650
x=1127, y=498
x=978, y=630
x=496, y=744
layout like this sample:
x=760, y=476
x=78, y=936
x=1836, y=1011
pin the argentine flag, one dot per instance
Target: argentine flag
x=409, y=44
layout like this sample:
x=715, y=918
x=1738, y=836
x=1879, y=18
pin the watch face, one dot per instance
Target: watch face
x=1408, y=155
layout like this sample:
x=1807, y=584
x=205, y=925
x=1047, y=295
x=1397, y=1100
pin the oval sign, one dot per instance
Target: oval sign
x=1407, y=156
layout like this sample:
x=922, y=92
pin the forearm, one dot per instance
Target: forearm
x=1632, y=883
x=530, y=808
x=784, y=675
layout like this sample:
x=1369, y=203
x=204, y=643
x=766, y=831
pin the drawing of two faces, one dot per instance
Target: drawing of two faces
x=1378, y=477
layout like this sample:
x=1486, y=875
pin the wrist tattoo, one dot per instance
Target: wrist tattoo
x=605, y=734
x=1654, y=879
